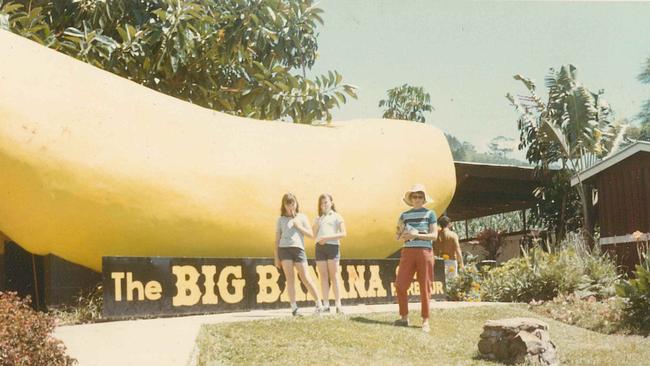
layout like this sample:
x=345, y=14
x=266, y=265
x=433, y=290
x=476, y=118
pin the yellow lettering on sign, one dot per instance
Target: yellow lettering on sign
x=118, y=277
x=414, y=289
x=356, y=281
x=375, y=286
x=312, y=272
x=131, y=286
x=344, y=292
x=269, y=290
x=238, y=284
x=393, y=289
x=300, y=294
x=437, y=288
x=188, y=292
x=319, y=284
x=209, y=297
x=153, y=290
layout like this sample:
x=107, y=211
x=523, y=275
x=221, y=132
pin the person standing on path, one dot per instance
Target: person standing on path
x=330, y=229
x=291, y=228
x=417, y=228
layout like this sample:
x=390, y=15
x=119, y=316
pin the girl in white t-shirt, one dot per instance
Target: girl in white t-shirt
x=291, y=228
x=329, y=228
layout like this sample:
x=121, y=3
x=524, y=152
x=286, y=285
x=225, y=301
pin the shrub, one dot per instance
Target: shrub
x=86, y=309
x=466, y=285
x=25, y=335
x=636, y=293
x=601, y=316
x=599, y=276
x=539, y=275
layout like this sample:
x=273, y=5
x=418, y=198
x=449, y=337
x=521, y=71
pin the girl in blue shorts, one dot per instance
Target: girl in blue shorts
x=329, y=228
x=291, y=228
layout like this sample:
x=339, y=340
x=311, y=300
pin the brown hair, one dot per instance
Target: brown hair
x=320, y=211
x=288, y=198
x=444, y=221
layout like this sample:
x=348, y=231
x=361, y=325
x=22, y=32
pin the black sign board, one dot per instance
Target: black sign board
x=150, y=286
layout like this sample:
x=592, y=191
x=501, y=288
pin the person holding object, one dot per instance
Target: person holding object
x=417, y=228
x=291, y=228
x=330, y=229
x=448, y=245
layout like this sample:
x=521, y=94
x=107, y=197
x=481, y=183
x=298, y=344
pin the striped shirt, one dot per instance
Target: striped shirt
x=419, y=219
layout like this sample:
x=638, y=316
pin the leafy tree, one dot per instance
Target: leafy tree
x=407, y=103
x=643, y=131
x=459, y=150
x=244, y=57
x=570, y=130
x=644, y=77
x=506, y=222
x=501, y=146
x=558, y=207
x=465, y=151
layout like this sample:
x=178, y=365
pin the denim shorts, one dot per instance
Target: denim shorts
x=327, y=252
x=292, y=254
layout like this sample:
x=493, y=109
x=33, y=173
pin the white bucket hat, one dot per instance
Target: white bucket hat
x=416, y=188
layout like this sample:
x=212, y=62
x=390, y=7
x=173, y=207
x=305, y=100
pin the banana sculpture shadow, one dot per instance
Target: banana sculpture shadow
x=94, y=165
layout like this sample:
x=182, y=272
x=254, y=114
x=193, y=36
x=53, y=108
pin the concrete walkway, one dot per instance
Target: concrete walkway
x=170, y=341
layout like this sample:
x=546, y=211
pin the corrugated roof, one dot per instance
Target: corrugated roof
x=487, y=189
x=637, y=147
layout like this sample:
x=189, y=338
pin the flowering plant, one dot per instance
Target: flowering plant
x=466, y=285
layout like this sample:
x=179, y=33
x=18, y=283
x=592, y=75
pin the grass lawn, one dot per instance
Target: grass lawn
x=372, y=339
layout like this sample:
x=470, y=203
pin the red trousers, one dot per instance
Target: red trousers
x=420, y=261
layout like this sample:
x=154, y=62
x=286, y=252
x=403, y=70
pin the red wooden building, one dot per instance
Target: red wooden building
x=620, y=195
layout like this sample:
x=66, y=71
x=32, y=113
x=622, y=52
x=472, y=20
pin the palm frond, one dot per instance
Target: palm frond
x=618, y=140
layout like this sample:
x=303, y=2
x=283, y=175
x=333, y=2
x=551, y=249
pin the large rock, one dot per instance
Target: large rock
x=517, y=340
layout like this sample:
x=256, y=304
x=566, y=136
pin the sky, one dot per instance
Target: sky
x=466, y=53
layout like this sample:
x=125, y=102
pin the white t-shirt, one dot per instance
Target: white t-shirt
x=289, y=235
x=328, y=225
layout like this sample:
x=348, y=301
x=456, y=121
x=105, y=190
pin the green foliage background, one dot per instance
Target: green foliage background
x=244, y=57
x=636, y=293
x=407, y=103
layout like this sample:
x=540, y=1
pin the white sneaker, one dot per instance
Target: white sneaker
x=295, y=311
x=425, y=327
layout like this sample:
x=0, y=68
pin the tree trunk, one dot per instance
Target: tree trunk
x=587, y=224
x=561, y=230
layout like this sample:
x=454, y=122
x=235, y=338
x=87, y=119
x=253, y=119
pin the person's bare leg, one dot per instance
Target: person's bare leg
x=308, y=282
x=289, y=274
x=333, y=270
x=324, y=281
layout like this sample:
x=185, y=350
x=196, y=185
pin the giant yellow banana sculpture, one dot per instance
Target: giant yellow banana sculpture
x=92, y=165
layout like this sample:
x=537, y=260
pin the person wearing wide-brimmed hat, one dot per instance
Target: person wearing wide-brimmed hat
x=417, y=228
